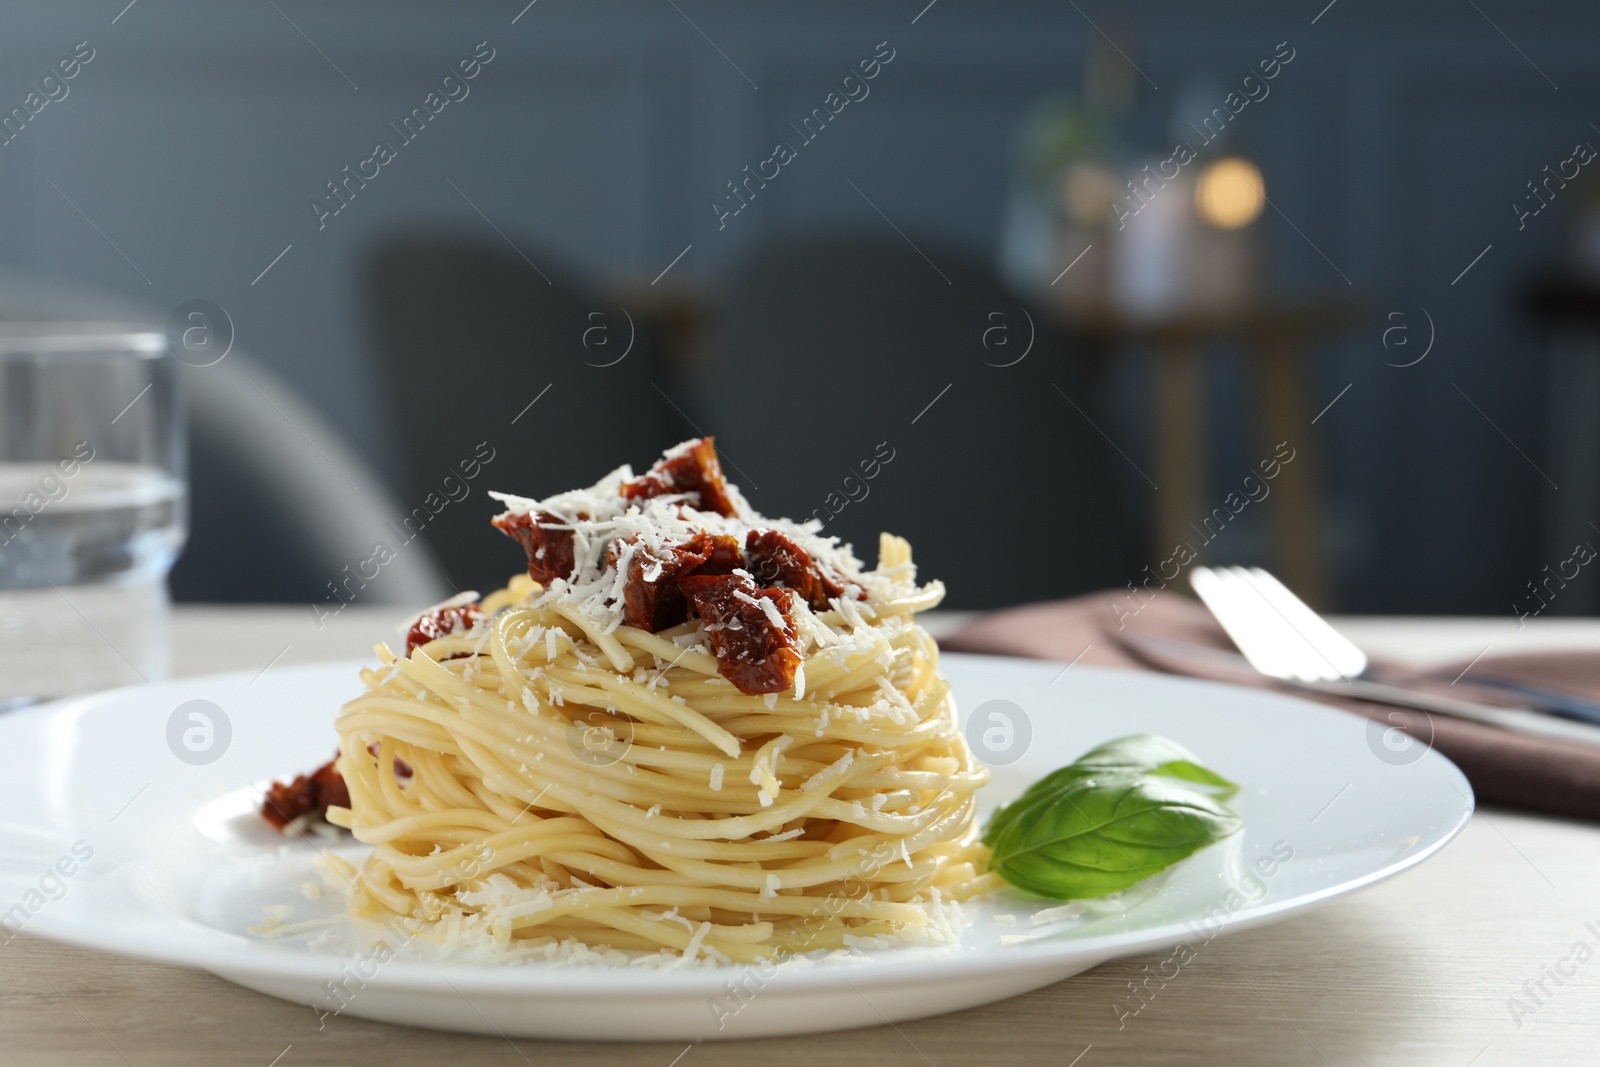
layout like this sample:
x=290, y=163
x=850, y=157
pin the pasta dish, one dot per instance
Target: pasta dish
x=687, y=728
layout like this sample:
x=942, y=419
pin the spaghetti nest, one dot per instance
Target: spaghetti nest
x=540, y=779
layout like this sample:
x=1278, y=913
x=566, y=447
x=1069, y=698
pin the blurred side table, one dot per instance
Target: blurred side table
x=1278, y=334
x=1568, y=308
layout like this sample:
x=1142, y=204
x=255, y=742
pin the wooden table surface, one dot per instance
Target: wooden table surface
x=1418, y=970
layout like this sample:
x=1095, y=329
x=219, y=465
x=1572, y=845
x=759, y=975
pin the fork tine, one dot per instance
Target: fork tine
x=1218, y=590
x=1299, y=659
x=1330, y=646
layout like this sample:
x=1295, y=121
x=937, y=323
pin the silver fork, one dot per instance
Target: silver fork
x=1282, y=638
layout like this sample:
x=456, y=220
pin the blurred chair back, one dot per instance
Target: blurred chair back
x=282, y=509
x=522, y=370
x=857, y=382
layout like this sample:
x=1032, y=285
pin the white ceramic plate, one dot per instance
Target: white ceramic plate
x=111, y=840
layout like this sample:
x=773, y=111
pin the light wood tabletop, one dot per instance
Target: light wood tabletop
x=1470, y=960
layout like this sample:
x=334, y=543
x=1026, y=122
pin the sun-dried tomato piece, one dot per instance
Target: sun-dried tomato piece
x=549, y=550
x=724, y=557
x=287, y=801
x=775, y=559
x=694, y=471
x=331, y=790
x=755, y=653
x=651, y=599
x=442, y=621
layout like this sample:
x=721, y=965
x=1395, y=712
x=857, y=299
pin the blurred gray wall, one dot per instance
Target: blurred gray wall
x=598, y=136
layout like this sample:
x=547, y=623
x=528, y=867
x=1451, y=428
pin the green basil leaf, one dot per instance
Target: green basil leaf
x=1102, y=833
x=1036, y=795
x=1138, y=754
x=1152, y=754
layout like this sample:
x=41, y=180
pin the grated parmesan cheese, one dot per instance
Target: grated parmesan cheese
x=1053, y=915
x=787, y=835
x=602, y=521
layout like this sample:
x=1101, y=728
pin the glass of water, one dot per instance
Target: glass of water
x=93, y=506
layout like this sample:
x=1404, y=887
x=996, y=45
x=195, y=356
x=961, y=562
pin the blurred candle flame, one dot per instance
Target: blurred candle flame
x=1230, y=193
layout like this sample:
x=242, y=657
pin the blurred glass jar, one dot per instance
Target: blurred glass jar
x=93, y=506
